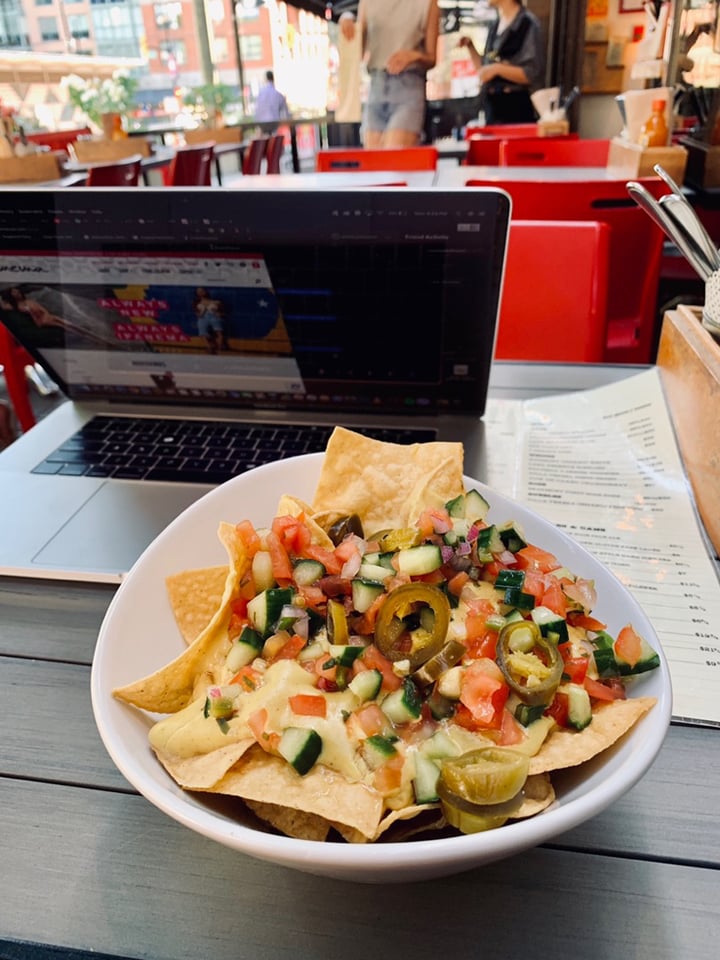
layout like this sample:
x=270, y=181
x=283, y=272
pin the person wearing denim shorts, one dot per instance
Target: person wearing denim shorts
x=399, y=40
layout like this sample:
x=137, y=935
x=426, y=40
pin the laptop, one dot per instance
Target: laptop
x=198, y=333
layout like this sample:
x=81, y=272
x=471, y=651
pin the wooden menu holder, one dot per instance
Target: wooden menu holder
x=214, y=134
x=631, y=160
x=105, y=151
x=32, y=167
x=689, y=362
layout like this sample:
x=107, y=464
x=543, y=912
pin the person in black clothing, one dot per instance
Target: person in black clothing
x=512, y=64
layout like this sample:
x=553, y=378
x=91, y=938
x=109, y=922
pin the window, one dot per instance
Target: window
x=251, y=47
x=78, y=26
x=43, y=3
x=173, y=53
x=48, y=28
x=168, y=16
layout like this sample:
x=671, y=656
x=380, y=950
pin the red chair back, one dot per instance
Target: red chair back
x=14, y=359
x=503, y=130
x=254, y=155
x=273, y=153
x=121, y=173
x=635, y=250
x=191, y=166
x=550, y=311
x=550, y=152
x=485, y=150
x=400, y=158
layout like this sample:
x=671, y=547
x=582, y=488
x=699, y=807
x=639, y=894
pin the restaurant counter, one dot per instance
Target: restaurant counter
x=90, y=868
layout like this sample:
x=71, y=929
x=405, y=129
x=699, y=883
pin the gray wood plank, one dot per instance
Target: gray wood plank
x=106, y=871
x=51, y=618
x=670, y=813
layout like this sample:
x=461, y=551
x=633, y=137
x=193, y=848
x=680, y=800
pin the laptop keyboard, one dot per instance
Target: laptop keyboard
x=192, y=451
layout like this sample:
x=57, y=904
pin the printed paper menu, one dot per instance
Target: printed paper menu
x=603, y=465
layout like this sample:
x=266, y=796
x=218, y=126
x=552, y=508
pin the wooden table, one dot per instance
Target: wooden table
x=89, y=865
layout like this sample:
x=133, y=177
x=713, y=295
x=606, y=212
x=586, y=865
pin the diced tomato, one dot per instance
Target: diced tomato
x=257, y=722
x=483, y=691
x=371, y=719
x=492, y=569
x=347, y=550
x=365, y=625
x=248, y=537
x=326, y=557
x=238, y=617
x=292, y=533
x=534, y=584
x=388, y=778
x=483, y=646
x=313, y=596
x=247, y=677
x=281, y=566
x=325, y=668
x=553, y=597
x=511, y=731
x=613, y=689
x=435, y=576
x=308, y=705
x=533, y=558
x=456, y=583
x=373, y=659
x=628, y=645
x=574, y=668
x=290, y=649
x=578, y=619
x=559, y=709
x=434, y=521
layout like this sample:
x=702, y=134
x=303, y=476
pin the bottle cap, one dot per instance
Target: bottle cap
x=658, y=104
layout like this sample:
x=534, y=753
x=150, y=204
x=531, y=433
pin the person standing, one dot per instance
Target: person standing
x=271, y=105
x=399, y=41
x=512, y=64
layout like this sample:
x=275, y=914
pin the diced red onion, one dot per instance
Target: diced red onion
x=505, y=557
x=473, y=533
x=464, y=548
x=351, y=566
x=446, y=553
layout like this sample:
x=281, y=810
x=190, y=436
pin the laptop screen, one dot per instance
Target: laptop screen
x=376, y=298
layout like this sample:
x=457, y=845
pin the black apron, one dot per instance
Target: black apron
x=506, y=102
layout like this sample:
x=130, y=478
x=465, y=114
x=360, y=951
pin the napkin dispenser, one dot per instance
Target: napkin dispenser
x=552, y=111
x=626, y=156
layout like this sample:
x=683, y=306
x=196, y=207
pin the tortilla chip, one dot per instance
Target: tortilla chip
x=195, y=596
x=384, y=483
x=293, y=823
x=567, y=748
x=294, y=507
x=173, y=686
x=262, y=777
x=539, y=794
x=203, y=770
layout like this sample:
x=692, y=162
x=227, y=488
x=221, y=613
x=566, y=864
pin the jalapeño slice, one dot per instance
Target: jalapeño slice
x=412, y=624
x=530, y=663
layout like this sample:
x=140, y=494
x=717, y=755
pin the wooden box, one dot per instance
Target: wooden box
x=703, y=164
x=689, y=362
x=553, y=128
x=630, y=160
x=33, y=166
x=214, y=134
x=105, y=151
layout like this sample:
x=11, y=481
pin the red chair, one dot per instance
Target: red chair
x=635, y=250
x=400, y=158
x=254, y=156
x=549, y=313
x=14, y=359
x=485, y=150
x=553, y=152
x=121, y=173
x=503, y=130
x=191, y=166
x=273, y=153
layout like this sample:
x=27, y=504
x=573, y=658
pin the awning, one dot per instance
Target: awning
x=27, y=66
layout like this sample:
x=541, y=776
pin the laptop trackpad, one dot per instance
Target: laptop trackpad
x=110, y=531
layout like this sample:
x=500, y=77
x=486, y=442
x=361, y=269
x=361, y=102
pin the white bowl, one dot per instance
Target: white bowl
x=139, y=635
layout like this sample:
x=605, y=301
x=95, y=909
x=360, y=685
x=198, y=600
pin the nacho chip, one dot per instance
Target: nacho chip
x=195, y=596
x=539, y=794
x=385, y=484
x=262, y=777
x=205, y=769
x=173, y=686
x=567, y=748
x=293, y=823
